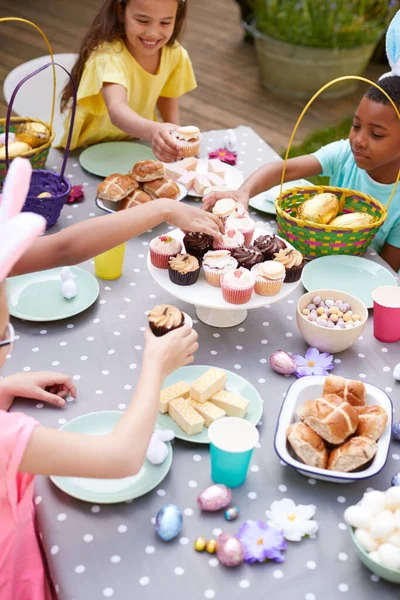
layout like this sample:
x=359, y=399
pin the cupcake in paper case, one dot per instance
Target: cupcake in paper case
x=183, y=269
x=237, y=286
x=243, y=223
x=216, y=263
x=162, y=248
x=269, y=277
x=165, y=318
x=197, y=244
x=269, y=245
x=293, y=261
x=247, y=256
x=231, y=239
x=188, y=140
x=226, y=207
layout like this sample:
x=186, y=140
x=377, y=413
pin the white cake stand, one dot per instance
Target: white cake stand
x=211, y=308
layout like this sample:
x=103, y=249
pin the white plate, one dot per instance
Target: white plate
x=307, y=388
x=265, y=202
x=233, y=177
x=112, y=207
x=203, y=294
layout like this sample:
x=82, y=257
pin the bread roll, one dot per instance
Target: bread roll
x=353, y=454
x=332, y=421
x=350, y=391
x=372, y=421
x=116, y=186
x=148, y=170
x=307, y=445
x=162, y=188
x=135, y=199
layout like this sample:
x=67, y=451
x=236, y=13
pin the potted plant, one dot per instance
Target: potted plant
x=303, y=44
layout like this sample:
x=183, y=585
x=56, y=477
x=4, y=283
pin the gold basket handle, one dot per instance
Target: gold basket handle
x=307, y=106
x=53, y=104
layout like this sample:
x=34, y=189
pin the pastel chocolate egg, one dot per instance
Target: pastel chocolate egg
x=211, y=547
x=215, y=497
x=230, y=551
x=282, y=362
x=169, y=522
x=389, y=556
x=358, y=516
x=374, y=501
x=232, y=513
x=365, y=540
x=200, y=544
x=396, y=480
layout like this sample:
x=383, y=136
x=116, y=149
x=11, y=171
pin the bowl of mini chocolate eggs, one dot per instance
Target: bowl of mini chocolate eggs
x=330, y=320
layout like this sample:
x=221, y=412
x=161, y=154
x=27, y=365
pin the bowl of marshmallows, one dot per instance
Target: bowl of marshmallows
x=330, y=320
x=375, y=531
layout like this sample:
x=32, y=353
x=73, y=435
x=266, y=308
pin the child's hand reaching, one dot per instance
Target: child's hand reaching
x=45, y=386
x=171, y=351
x=163, y=145
x=238, y=195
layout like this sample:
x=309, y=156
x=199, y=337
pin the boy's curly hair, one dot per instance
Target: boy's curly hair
x=390, y=85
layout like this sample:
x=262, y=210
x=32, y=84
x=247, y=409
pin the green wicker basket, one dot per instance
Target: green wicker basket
x=313, y=239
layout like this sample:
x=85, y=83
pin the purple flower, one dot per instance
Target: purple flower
x=333, y=6
x=261, y=542
x=313, y=363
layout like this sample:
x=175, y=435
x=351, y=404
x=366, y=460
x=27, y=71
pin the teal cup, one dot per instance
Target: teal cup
x=232, y=442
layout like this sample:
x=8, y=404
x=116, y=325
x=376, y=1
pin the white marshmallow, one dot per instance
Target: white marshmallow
x=394, y=538
x=358, y=516
x=374, y=501
x=382, y=525
x=390, y=556
x=375, y=557
x=393, y=498
x=365, y=540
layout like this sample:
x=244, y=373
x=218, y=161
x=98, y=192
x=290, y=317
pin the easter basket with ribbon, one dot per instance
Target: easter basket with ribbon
x=316, y=239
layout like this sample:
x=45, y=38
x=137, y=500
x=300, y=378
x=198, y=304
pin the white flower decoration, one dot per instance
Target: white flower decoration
x=294, y=521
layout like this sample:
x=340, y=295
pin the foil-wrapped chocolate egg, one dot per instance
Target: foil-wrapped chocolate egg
x=230, y=551
x=211, y=547
x=215, y=497
x=200, y=544
x=396, y=431
x=395, y=479
x=169, y=522
x=231, y=513
x=282, y=362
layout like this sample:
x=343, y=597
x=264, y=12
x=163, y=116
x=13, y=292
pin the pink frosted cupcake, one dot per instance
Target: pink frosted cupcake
x=242, y=223
x=237, y=286
x=162, y=248
x=269, y=277
x=231, y=239
x=226, y=207
x=216, y=263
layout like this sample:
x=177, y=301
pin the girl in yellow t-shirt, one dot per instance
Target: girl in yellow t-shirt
x=130, y=63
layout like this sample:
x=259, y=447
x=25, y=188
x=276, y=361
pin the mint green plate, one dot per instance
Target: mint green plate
x=235, y=384
x=110, y=491
x=114, y=157
x=37, y=296
x=265, y=202
x=351, y=274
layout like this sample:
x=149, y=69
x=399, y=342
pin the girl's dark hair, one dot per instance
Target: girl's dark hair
x=108, y=27
x=390, y=85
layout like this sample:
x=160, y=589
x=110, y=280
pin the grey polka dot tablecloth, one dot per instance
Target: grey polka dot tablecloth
x=112, y=551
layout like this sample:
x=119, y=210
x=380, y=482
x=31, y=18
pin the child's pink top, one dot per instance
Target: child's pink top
x=22, y=575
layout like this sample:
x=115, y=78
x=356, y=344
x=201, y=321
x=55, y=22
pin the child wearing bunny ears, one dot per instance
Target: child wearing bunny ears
x=369, y=160
x=27, y=448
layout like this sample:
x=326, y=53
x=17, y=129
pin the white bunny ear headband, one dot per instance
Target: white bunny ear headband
x=393, y=46
x=17, y=231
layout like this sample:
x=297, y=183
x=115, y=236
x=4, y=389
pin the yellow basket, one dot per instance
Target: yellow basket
x=37, y=156
x=313, y=239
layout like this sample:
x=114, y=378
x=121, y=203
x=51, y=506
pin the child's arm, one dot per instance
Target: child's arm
x=391, y=255
x=82, y=241
x=267, y=177
x=123, y=117
x=169, y=109
x=122, y=452
x=45, y=386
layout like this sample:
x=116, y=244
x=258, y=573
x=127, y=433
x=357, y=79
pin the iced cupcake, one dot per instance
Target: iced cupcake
x=247, y=256
x=231, y=239
x=269, y=277
x=162, y=248
x=197, y=244
x=165, y=318
x=216, y=263
x=183, y=269
x=269, y=245
x=237, y=286
x=226, y=207
x=242, y=223
x=188, y=140
x=293, y=261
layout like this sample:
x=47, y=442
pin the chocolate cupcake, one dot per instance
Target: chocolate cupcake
x=247, y=256
x=165, y=318
x=197, y=244
x=293, y=261
x=269, y=245
x=184, y=269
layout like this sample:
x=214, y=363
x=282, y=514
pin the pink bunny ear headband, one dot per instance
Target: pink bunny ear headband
x=17, y=231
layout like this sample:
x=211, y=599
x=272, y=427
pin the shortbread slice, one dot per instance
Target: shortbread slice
x=185, y=416
x=209, y=412
x=178, y=390
x=233, y=404
x=208, y=384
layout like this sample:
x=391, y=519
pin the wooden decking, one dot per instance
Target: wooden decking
x=229, y=92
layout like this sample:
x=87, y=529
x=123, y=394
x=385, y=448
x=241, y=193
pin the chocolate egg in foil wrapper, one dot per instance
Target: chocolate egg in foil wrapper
x=169, y=522
x=282, y=362
x=216, y=497
x=32, y=133
x=322, y=208
x=352, y=220
x=230, y=551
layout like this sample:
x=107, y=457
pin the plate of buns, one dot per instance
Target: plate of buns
x=146, y=181
x=334, y=429
x=194, y=397
x=199, y=174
